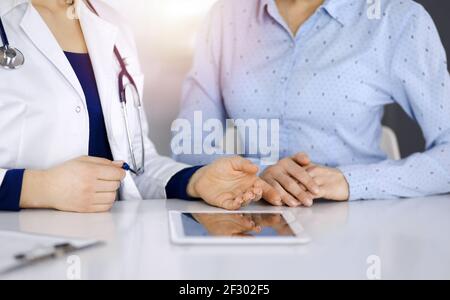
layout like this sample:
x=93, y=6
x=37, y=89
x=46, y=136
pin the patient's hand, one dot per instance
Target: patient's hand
x=228, y=183
x=292, y=182
x=332, y=182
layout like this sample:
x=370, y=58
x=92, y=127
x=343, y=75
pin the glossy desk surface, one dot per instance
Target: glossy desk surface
x=410, y=237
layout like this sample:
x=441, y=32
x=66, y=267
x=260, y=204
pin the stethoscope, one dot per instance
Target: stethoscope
x=128, y=92
x=10, y=57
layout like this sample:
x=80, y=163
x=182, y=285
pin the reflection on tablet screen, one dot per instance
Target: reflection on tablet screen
x=236, y=225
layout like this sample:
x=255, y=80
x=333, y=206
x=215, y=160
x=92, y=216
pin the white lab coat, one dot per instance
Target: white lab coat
x=43, y=114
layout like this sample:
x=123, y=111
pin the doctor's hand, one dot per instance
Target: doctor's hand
x=292, y=182
x=85, y=185
x=228, y=183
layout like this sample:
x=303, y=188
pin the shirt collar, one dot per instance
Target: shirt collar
x=262, y=9
x=337, y=9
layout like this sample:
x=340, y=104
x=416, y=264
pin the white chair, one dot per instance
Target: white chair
x=389, y=143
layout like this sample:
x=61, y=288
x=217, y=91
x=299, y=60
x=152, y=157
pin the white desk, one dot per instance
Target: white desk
x=411, y=238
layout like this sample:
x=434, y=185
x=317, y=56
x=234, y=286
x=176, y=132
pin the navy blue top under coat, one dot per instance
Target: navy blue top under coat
x=98, y=137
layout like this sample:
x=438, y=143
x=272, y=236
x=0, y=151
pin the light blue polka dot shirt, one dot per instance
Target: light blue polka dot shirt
x=328, y=86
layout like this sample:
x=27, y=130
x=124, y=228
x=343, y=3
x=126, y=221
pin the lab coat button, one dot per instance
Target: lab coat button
x=78, y=109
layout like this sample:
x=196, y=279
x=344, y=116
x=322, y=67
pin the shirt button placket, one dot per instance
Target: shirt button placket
x=289, y=68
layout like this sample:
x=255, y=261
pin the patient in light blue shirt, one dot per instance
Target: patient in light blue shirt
x=327, y=84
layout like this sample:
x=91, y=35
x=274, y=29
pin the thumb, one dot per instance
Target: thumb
x=118, y=163
x=244, y=165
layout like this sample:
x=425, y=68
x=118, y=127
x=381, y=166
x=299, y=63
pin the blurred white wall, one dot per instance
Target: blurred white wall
x=165, y=31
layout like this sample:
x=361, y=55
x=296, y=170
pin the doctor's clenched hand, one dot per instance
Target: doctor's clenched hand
x=85, y=185
x=229, y=183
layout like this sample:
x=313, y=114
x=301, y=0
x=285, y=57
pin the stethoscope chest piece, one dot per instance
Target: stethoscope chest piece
x=11, y=58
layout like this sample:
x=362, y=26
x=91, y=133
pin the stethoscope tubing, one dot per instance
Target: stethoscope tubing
x=3, y=34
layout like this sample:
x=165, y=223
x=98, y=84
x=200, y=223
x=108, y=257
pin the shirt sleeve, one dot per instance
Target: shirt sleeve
x=176, y=188
x=10, y=190
x=421, y=86
x=202, y=98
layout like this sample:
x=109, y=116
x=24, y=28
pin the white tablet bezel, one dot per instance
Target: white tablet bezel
x=178, y=236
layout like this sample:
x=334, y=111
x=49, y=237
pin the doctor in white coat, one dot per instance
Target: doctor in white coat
x=45, y=126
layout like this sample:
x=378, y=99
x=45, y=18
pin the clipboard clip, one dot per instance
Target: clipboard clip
x=42, y=253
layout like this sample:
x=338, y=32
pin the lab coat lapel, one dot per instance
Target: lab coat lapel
x=38, y=32
x=100, y=37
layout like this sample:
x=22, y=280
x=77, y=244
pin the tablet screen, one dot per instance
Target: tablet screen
x=235, y=225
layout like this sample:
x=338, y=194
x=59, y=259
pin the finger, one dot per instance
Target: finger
x=103, y=186
x=273, y=218
x=248, y=198
x=242, y=235
x=310, y=195
x=118, y=163
x=244, y=165
x=270, y=194
x=110, y=173
x=247, y=223
x=268, y=220
x=294, y=189
x=246, y=203
x=239, y=201
x=285, y=196
x=231, y=203
x=258, y=193
x=96, y=160
x=301, y=175
x=101, y=208
x=104, y=198
x=306, y=198
x=314, y=171
x=237, y=192
x=96, y=208
x=302, y=159
x=321, y=181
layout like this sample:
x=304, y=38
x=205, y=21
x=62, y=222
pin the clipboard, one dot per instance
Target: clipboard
x=19, y=250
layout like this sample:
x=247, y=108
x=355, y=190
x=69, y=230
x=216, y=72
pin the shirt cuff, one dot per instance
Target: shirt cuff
x=11, y=189
x=360, y=180
x=177, y=186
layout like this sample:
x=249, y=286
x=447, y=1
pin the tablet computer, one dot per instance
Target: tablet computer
x=236, y=228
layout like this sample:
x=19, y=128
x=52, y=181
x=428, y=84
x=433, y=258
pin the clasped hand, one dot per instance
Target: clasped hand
x=299, y=182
